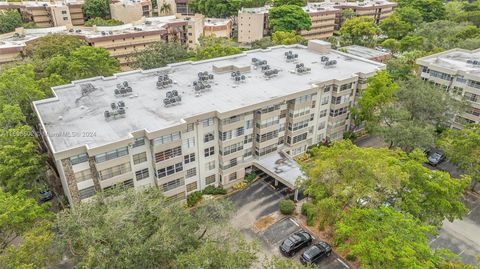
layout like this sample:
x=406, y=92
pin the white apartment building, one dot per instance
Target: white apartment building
x=458, y=72
x=256, y=110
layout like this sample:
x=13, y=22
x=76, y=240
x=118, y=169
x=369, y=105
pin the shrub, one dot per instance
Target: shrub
x=212, y=190
x=287, y=207
x=308, y=210
x=250, y=177
x=194, y=198
x=350, y=257
x=239, y=185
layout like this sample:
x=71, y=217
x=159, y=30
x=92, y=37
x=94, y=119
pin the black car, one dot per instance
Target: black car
x=435, y=157
x=316, y=252
x=295, y=242
x=45, y=196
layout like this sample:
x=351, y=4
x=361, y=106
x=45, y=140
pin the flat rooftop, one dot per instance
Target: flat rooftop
x=281, y=167
x=365, y=52
x=68, y=111
x=455, y=60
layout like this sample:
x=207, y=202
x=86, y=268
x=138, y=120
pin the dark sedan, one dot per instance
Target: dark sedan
x=316, y=253
x=435, y=157
x=295, y=242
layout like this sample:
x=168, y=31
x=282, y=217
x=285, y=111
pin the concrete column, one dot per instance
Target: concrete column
x=71, y=182
x=295, y=197
x=276, y=183
x=94, y=172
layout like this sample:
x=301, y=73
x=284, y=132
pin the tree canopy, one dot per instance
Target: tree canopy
x=358, y=31
x=159, y=54
x=211, y=47
x=222, y=8
x=144, y=230
x=299, y=3
x=287, y=38
x=463, y=149
x=46, y=47
x=288, y=18
x=98, y=21
x=9, y=20
x=96, y=8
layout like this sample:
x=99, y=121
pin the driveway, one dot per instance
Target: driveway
x=462, y=236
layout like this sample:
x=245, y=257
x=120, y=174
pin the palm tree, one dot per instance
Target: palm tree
x=166, y=8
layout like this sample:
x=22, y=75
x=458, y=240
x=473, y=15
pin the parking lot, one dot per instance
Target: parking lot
x=259, y=200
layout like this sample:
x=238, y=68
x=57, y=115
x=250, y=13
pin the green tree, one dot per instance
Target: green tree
x=19, y=214
x=391, y=44
x=410, y=43
x=159, y=54
x=385, y=238
x=262, y=43
x=348, y=13
x=46, y=47
x=96, y=8
x=404, y=66
x=394, y=27
x=212, y=47
x=463, y=149
x=165, y=8
x=222, y=8
x=410, y=15
x=287, y=38
x=444, y=34
x=144, y=230
x=300, y=3
x=289, y=18
x=431, y=10
x=359, y=31
x=98, y=21
x=84, y=62
x=9, y=20
x=453, y=9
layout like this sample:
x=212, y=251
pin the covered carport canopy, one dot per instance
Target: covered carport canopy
x=281, y=167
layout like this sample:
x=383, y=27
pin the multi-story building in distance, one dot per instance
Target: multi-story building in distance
x=48, y=13
x=121, y=41
x=326, y=18
x=129, y=11
x=458, y=72
x=217, y=27
x=194, y=124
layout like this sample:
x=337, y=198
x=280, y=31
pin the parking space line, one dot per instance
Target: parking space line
x=344, y=264
x=294, y=222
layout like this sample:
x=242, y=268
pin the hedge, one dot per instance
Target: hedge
x=287, y=207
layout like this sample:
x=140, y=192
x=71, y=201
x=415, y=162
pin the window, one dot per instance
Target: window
x=191, y=172
x=64, y=12
x=172, y=184
x=189, y=158
x=440, y=75
x=322, y=113
x=138, y=142
x=80, y=158
x=225, y=135
x=267, y=136
x=114, y=171
x=190, y=127
x=325, y=100
x=239, y=131
x=471, y=97
x=338, y=112
x=297, y=126
x=65, y=18
x=83, y=175
x=321, y=125
x=111, y=155
x=167, y=138
x=208, y=122
x=210, y=179
x=210, y=165
x=208, y=137
x=141, y=174
x=140, y=158
x=231, y=163
x=346, y=86
x=297, y=138
x=231, y=120
x=232, y=176
x=248, y=139
x=168, y=154
x=189, y=142
x=474, y=84
x=336, y=100
x=169, y=170
x=192, y=186
x=299, y=112
x=268, y=122
x=232, y=148
x=303, y=99
x=87, y=192
x=248, y=124
x=209, y=151
x=268, y=109
x=265, y=150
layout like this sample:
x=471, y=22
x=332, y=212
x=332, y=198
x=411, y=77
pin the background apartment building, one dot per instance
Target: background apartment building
x=458, y=72
x=129, y=11
x=48, y=14
x=215, y=134
x=326, y=18
x=122, y=41
x=217, y=27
